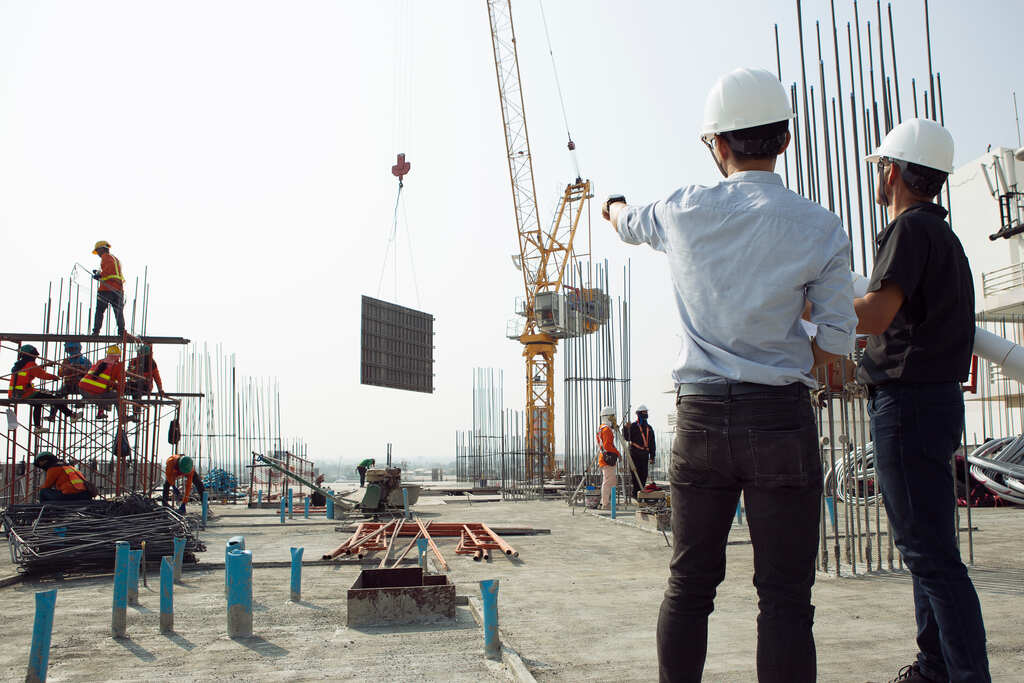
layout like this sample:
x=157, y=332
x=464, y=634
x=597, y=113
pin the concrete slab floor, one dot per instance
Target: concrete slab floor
x=579, y=604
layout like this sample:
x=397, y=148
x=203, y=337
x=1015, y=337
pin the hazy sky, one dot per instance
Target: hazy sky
x=242, y=151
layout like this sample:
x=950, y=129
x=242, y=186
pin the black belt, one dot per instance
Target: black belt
x=724, y=390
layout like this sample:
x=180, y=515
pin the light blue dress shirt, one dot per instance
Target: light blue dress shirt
x=744, y=256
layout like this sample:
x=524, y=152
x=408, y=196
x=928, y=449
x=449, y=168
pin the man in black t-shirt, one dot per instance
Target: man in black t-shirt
x=640, y=437
x=919, y=311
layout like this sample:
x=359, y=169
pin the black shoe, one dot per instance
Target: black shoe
x=911, y=673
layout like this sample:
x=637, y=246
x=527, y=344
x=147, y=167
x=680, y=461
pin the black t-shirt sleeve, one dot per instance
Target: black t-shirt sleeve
x=902, y=259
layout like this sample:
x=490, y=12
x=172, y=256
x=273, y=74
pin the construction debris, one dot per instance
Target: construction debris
x=81, y=537
x=475, y=538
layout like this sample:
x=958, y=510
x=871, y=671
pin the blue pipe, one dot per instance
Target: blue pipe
x=119, y=616
x=179, y=558
x=233, y=543
x=329, y=511
x=284, y=504
x=42, y=630
x=134, y=558
x=405, y=501
x=305, y=512
x=489, y=594
x=291, y=510
x=421, y=544
x=259, y=499
x=739, y=513
x=166, y=595
x=830, y=503
x=206, y=507
x=615, y=499
x=296, y=592
x=239, y=571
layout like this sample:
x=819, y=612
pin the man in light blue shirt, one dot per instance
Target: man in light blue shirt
x=746, y=257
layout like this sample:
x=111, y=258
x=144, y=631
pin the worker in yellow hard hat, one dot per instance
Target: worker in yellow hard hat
x=111, y=289
x=103, y=382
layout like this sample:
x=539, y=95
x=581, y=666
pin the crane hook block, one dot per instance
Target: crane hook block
x=401, y=168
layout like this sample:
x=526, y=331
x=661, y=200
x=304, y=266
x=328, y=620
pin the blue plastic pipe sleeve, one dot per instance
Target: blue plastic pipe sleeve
x=489, y=595
x=42, y=630
x=166, y=594
x=615, y=499
x=240, y=593
x=179, y=558
x=134, y=559
x=421, y=544
x=296, y=591
x=119, y=616
x=233, y=543
x=305, y=512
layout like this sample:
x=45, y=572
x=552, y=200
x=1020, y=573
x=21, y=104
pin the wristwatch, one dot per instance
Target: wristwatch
x=614, y=199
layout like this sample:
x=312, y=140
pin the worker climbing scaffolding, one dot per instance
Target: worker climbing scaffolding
x=111, y=288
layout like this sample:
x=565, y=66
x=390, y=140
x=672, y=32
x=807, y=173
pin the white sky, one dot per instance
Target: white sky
x=242, y=151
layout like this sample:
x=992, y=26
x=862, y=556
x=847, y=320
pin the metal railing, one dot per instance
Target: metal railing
x=1003, y=279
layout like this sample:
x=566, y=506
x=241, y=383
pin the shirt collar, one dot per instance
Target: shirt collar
x=769, y=177
x=927, y=207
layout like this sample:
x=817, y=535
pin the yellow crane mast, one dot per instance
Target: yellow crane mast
x=543, y=254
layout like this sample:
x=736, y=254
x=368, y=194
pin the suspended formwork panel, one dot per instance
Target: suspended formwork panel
x=397, y=347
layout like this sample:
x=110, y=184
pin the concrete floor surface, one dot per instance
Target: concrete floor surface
x=580, y=604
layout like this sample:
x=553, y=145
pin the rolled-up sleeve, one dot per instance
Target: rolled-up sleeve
x=643, y=225
x=831, y=297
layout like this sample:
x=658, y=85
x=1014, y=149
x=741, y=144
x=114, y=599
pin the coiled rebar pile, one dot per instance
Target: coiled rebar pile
x=80, y=537
x=999, y=465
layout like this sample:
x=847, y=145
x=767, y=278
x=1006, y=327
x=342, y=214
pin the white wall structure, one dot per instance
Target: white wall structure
x=998, y=269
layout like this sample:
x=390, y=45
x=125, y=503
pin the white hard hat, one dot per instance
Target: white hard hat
x=919, y=141
x=642, y=408
x=607, y=411
x=745, y=98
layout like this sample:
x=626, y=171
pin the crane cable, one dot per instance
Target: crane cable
x=401, y=132
x=558, y=85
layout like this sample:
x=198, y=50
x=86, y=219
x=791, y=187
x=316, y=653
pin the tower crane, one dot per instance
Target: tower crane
x=544, y=254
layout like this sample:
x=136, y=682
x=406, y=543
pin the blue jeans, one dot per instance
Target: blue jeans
x=916, y=428
x=766, y=446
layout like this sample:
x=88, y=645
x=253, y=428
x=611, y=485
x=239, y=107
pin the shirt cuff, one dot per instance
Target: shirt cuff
x=621, y=226
x=834, y=341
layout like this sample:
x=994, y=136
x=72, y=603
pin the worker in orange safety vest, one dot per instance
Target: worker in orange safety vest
x=142, y=372
x=608, y=455
x=111, y=289
x=181, y=466
x=63, y=482
x=23, y=372
x=103, y=381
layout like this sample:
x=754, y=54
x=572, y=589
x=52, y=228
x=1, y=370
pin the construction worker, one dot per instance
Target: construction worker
x=103, y=381
x=72, y=369
x=919, y=311
x=640, y=437
x=608, y=455
x=317, y=499
x=142, y=372
x=111, y=288
x=23, y=372
x=63, y=482
x=362, y=467
x=744, y=256
x=181, y=466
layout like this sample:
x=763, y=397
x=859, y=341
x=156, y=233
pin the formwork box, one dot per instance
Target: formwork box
x=397, y=349
x=399, y=596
